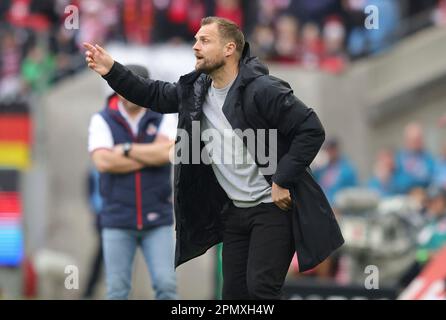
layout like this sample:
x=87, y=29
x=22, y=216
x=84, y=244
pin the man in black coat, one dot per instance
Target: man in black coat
x=262, y=211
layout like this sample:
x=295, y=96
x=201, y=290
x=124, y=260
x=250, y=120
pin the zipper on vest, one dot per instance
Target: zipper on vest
x=136, y=139
x=138, y=199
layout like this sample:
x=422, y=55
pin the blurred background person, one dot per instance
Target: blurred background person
x=420, y=198
x=334, y=57
x=38, y=69
x=129, y=146
x=337, y=172
x=384, y=179
x=439, y=179
x=10, y=64
x=433, y=236
x=312, y=46
x=286, y=39
x=263, y=42
x=415, y=165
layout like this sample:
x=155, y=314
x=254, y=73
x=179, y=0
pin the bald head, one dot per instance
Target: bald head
x=413, y=137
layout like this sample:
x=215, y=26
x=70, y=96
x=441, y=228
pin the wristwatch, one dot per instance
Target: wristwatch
x=127, y=147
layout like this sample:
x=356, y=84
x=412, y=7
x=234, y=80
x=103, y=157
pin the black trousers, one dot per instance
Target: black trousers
x=257, y=250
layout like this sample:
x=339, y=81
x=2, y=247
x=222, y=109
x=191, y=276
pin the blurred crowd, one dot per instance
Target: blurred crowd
x=37, y=48
x=396, y=217
x=328, y=34
x=395, y=171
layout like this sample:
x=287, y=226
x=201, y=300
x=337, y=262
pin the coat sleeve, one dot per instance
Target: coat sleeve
x=159, y=96
x=294, y=120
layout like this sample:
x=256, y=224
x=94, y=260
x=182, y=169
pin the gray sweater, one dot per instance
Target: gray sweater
x=233, y=165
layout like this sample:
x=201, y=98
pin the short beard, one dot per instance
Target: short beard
x=208, y=69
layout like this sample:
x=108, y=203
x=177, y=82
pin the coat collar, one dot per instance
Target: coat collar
x=250, y=67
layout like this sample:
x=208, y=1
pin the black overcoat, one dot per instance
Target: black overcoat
x=256, y=100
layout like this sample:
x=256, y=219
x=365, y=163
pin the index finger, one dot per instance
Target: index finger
x=89, y=47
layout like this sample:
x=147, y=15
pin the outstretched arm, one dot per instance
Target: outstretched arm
x=160, y=96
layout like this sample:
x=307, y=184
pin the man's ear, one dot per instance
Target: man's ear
x=230, y=49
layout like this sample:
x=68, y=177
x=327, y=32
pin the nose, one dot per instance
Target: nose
x=196, y=46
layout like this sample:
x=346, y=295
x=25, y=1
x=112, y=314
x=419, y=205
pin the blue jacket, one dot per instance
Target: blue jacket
x=414, y=169
x=440, y=173
x=336, y=176
x=140, y=199
x=385, y=189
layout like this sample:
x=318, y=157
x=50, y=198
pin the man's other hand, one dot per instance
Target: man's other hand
x=281, y=197
x=98, y=59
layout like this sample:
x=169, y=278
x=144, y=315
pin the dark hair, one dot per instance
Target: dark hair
x=228, y=31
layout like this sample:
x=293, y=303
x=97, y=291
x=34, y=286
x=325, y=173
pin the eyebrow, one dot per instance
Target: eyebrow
x=201, y=37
